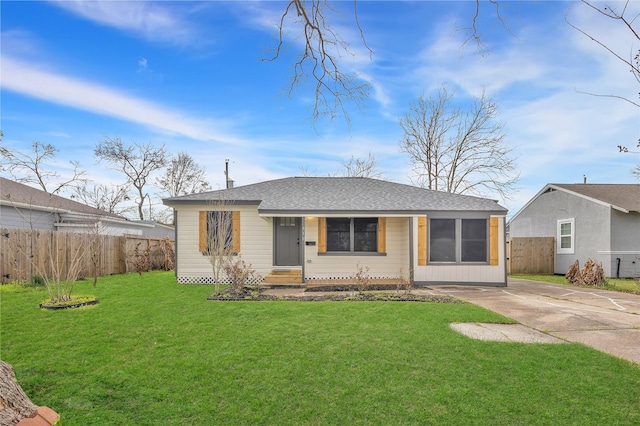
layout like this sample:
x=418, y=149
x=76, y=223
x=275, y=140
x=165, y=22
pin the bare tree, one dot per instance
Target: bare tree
x=458, y=151
x=320, y=57
x=136, y=161
x=183, y=176
x=103, y=197
x=361, y=167
x=35, y=168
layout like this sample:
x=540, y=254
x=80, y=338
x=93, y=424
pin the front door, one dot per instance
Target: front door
x=287, y=241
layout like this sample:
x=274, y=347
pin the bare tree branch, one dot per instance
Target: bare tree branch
x=35, y=168
x=361, y=167
x=473, y=32
x=634, y=60
x=320, y=59
x=103, y=197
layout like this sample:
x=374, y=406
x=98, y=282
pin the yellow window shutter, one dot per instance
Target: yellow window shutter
x=422, y=241
x=322, y=235
x=202, y=231
x=235, y=232
x=493, y=241
x=382, y=235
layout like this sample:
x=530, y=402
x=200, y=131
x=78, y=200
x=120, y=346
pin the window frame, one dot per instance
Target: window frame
x=571, y=236
x=458, y=242
x=352, y=237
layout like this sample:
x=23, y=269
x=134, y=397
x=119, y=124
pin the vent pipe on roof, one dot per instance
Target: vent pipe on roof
x=226, y=174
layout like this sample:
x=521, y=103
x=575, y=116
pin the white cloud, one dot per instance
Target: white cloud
x=155, y=21
x=26, y=79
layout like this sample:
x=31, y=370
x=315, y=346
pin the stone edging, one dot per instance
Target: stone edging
x=71, y=306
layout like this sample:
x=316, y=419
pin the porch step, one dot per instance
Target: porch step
x=284, y=276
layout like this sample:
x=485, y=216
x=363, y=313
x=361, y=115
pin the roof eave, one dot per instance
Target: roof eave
x=175, y=202
x=368, y=213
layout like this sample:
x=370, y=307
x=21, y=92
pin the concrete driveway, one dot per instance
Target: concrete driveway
x=604, y=320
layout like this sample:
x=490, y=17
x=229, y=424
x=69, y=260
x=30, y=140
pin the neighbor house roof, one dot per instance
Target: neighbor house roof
x=20, y=195
x=620, y=196
x=318, y=195
x=625, y=197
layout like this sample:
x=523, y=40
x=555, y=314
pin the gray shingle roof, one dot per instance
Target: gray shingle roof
x=314, y=195
x=14, y=192
x=624, y=196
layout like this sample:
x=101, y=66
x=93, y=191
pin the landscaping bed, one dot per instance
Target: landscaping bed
x=347, y=295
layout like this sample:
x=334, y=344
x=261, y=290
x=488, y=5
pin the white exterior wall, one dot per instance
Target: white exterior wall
x=340, y=266
x=256, y=243
x=461, y=273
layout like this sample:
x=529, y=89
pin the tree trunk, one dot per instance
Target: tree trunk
x=15, y=405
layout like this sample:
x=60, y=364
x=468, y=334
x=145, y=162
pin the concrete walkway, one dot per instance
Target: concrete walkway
x=604, y=320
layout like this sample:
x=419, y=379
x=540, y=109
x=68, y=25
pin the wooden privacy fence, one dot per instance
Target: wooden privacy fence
x=531, y=255
x=25, y=253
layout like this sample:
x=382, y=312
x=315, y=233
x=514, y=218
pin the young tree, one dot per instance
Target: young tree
x=57, y=258
x=35, y=168
x=183, y=176
x=136, y=161
x=217, y=239
x=361, y=167
x=458, y=151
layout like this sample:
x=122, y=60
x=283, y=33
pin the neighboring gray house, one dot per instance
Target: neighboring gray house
x=597, y=221
x=23, y=207
x=320, y=229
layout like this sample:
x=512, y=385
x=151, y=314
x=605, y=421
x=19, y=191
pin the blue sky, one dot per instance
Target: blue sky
x=189, y=75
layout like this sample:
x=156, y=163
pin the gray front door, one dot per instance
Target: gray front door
x=287, y=241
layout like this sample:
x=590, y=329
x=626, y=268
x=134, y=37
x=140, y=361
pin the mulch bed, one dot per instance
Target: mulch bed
x=348, y=296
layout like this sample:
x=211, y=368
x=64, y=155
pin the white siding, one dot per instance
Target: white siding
x=327, y=266
x=256, y=243
x=460, y=273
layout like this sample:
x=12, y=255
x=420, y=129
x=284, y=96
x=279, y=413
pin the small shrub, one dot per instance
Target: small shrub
x=405, y=284
x=592, y=274
x=240, y=274
x=142, y=259
x=573, y=275
x=37, y=281
x=361, y=278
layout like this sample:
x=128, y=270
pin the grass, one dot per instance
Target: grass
x=154, y=352
x=627, y=285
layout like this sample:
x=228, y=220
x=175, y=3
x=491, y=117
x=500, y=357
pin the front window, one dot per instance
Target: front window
x=443, y=240
x=352, y=234
x=474, y=240
x=565, y=237
x=458, y=240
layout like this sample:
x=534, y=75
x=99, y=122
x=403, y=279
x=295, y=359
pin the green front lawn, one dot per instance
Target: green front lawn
x=154, y=352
